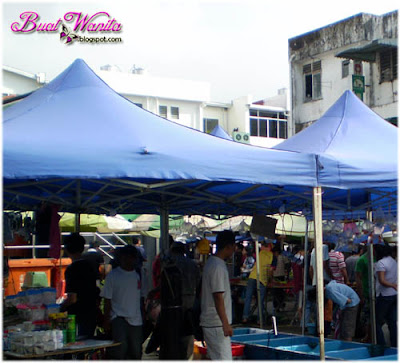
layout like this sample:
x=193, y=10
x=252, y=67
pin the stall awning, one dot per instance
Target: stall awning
x=368, y=51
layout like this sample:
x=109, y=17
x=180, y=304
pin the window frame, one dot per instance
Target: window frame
x=345, y=68
x=260, y=126
x=388, y=70
x=206, y=129
x=312, y=87
x=174, y=115
x=162, y=114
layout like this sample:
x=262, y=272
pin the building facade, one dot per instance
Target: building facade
x=18, y=82
x=262, y=123
x=358, y=53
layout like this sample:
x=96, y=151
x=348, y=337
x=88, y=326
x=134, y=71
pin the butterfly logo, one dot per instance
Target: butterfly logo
x=66, y=35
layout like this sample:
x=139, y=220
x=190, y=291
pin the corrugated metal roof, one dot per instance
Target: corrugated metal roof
x=368, y=51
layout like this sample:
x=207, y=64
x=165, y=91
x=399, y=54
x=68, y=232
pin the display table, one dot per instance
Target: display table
x=83, y=346
x=238, y=287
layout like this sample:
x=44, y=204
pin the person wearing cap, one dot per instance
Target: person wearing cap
x=216, y=301
x=265, y=258
x=122, y=311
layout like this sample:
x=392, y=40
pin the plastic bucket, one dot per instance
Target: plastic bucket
x=237, y=350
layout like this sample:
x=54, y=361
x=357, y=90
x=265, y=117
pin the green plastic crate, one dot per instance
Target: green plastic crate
x=35, y=279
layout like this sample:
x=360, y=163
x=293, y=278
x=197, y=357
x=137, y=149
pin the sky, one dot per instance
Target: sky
x=240, y=47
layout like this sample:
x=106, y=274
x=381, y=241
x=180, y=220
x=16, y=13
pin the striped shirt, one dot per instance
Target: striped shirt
x=336, y=263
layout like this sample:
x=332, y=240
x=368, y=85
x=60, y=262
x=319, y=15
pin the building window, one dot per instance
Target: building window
x=388, y=65
x=268, y=124
x=345, y=68
x=138, y=104
x=175, y=112
x=162, y=110
x=209, y=124
x=312, y=81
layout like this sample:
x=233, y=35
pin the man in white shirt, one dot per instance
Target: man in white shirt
x=216, y=303
x=326, y=268
x=122, y=313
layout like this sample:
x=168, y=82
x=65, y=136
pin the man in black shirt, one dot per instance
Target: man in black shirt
x=81, y=287
x=96, y=259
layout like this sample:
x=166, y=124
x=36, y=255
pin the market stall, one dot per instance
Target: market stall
x=153, y=165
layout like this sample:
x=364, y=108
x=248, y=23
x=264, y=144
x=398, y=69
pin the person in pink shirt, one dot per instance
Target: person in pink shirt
x=338, y=266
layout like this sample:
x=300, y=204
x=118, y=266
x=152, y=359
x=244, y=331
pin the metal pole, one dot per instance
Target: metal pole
x=78, y=205
x=303, y=308
x=258, y=286
x=34, y=236
x=77, y=222
x=371, y=285
x=317, y=209
x=164, y=229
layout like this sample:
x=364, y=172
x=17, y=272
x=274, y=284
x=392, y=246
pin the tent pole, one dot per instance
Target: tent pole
x=305, y=272
x=317, y=209
x=258, y=286
x=77, y=222
x=78, y=204
x=164, y=230
x=371, y=285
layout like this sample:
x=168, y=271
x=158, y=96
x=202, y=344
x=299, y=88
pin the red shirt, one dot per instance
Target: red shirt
x=297, y=277
x=156, y=271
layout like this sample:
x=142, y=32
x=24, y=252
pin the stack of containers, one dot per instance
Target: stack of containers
x=36, y=335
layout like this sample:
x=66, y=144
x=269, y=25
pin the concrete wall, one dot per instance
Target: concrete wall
x=189, y=112
x=239, y=114
x=322, y=45
x=15, y=84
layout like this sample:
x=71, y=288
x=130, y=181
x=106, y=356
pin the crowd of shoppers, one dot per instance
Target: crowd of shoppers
x=178, y=282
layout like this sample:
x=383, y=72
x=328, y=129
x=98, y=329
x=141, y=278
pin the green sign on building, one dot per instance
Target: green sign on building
x=358, y=83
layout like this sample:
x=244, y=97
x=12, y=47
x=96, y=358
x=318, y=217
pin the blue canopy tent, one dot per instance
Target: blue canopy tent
x=354, y=148
x=78, y=143
x=219, y=131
